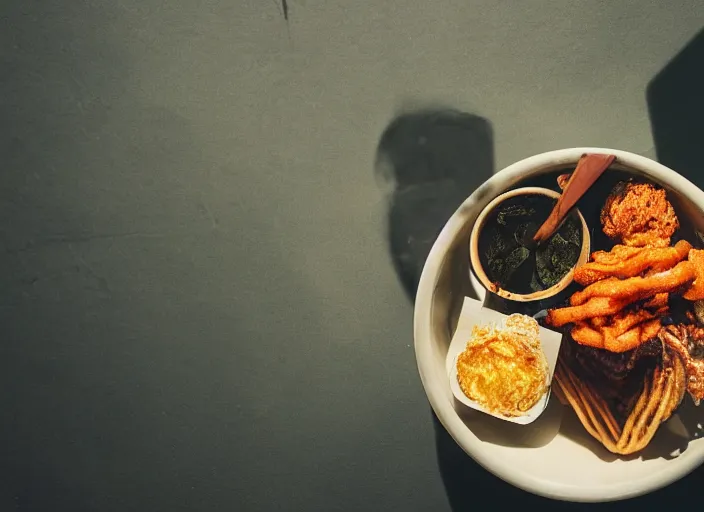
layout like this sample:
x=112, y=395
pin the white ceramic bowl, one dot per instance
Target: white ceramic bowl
x=553, y=457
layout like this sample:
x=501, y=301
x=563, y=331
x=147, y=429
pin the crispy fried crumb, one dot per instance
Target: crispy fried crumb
x=639, y=215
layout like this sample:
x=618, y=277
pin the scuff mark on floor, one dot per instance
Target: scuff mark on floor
x=101, y=281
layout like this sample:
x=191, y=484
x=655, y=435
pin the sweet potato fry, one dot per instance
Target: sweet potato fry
x=634, y=337
x=625, y=321
x=617, y=255
x=628, y=340
x=662, y=312
x=584, y=334
x=640, y=260
x=696, y=291
x=628, y=329
x=594, y=307
x=637, y=288
x=599, y=321
x=659, y=301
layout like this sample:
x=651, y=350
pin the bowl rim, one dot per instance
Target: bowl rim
x=423, y=332
x=478, y=269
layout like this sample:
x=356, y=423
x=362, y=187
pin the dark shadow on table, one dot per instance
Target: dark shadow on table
x=469, y=487
x=432, y=159
x=676, y=106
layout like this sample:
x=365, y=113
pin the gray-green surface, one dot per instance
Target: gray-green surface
x=200, y=306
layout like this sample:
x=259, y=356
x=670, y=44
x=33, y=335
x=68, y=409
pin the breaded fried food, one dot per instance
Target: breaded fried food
x=626, y=331
x=599, y=321
x=616, y=255
x=624, y=321
x=696, y=291
x=639, y=215
x=658, y=301
x=637, y=262
x=594, y=307
x=637, y=288
x=634, y=337
x=585, y=333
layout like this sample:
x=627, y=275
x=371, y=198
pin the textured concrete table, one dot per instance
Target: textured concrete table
x=213, y=214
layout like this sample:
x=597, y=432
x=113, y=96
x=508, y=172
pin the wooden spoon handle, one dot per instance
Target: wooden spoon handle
x=588, y=170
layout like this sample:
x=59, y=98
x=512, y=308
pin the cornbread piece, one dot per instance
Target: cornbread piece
x=504, y=369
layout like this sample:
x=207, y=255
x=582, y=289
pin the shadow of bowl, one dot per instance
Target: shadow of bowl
x=430, y=160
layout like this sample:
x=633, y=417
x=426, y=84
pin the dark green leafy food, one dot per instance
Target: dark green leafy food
x=571, y=231
x=504, y=266
x=510, y=263
x=514, y=211
x=554, y=259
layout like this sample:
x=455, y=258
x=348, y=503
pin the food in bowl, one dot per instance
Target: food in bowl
x=635, y=345
x=510, y=260
x=506, y=260
x=503, y=368
x=574, y=465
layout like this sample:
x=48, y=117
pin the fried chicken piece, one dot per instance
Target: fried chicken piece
x=594, y=307
x=637, y=288
x=639, y=215
x=645, y=259
x=696, y=291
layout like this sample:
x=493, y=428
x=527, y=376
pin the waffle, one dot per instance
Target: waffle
x=661, y=393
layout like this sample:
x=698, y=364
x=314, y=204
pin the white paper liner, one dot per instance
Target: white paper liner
x=473, y=313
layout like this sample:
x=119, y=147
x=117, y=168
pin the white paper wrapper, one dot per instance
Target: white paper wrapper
x=473, y=313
